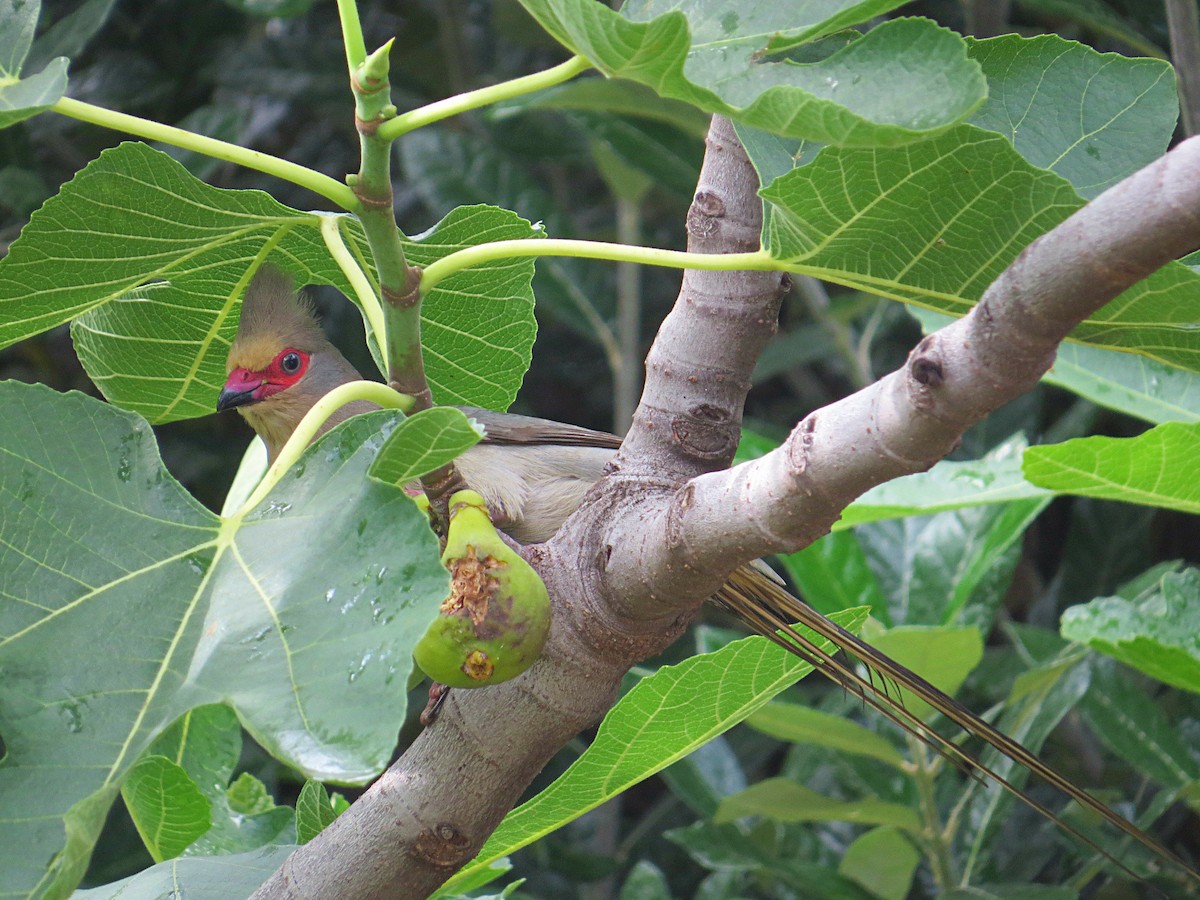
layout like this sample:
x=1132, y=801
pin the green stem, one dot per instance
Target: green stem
x=443, y=268
x=939, y=852
x=460, y=103
x=372, y=391
x=398, y=282
x=352, y=36
x=331, y=232
x=327, y=187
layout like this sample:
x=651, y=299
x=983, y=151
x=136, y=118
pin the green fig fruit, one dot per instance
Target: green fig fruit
x=494, y=623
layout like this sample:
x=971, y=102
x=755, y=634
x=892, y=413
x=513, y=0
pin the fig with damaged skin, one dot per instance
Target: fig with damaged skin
x=494, y=623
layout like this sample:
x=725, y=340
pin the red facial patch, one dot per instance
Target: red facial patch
x=285, y=369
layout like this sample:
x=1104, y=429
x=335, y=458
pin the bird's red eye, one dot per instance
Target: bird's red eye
x=288, y=367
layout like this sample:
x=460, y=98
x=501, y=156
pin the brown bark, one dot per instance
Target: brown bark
x=630, y=568
x=433, y=809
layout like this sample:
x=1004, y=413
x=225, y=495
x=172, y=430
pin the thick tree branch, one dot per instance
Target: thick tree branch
x=910, y=419
x=433, y=809
x=698, y=370
x=630, y=568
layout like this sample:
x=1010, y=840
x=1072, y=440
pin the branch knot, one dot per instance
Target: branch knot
x=443, y=846
x=704, y=432
x=925, y=363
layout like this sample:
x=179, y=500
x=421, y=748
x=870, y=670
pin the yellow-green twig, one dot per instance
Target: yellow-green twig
x=316, y=182
x=371, y=391
x=352, y=36
x=460, y=103
x=331, y=232
x=443, y=268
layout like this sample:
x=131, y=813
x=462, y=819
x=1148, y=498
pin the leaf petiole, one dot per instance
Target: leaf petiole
x=331, y=233
x=316, y=182
x=460, y=103
x=352, y=35
x=435, y=272
x=371, y=391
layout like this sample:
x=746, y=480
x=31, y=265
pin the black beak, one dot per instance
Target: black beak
x=229, y=398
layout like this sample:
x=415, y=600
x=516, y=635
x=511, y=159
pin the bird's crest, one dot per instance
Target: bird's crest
x=274, y=316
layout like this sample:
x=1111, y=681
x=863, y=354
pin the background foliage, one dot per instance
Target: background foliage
x=813, y=796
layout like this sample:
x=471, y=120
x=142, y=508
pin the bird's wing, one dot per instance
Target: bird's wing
x=772, y=611
x=506, y=428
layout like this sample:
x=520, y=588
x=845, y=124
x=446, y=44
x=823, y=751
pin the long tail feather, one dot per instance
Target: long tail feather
x=770, y=610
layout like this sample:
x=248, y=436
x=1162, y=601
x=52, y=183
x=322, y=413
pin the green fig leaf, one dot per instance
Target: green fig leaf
x=424, y=442
x=848, y=217
x=1155, y=468
x=902, y=80
x=315, y=810
x=21, y=98
x=153, y=285
x=1094, y=118
x=330, y=580
x=196, y=878
x=168, y=809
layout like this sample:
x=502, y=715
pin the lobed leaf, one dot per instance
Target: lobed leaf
x=902, y=80
x=1094, y=118
x=206, y=742
x=935, y=223
x=196, y=878
x=168, y=809
x=22, y=99
x=478, y=325
x=127, y=604
x=150, y=264
x=315, y=810
x=18, y=22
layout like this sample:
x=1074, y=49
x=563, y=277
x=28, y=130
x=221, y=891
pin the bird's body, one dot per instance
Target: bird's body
x=534, y=473
x=526, y=489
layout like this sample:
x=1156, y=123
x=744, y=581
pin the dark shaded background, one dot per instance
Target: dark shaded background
x=276, y=82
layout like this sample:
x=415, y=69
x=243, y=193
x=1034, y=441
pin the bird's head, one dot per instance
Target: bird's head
x=280, y=363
